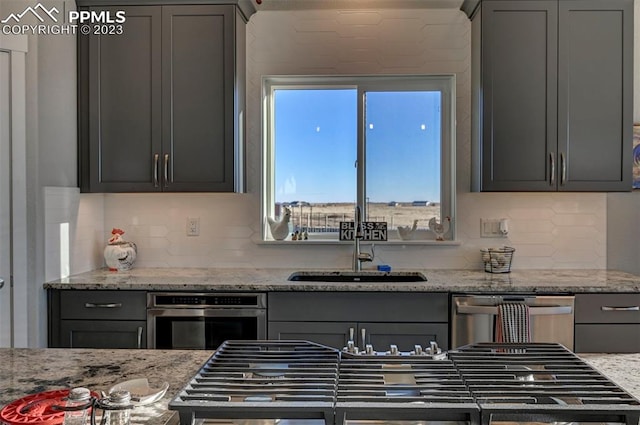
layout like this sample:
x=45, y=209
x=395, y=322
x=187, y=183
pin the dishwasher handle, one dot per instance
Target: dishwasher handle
x=533, y=311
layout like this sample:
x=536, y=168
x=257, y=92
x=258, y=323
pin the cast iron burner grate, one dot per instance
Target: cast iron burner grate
x=262, y=380
x=407, y=388
x=254, y=382
x=540, y=383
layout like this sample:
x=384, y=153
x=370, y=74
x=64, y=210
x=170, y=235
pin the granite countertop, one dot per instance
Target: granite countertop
x=28, y=371
x=441, y=280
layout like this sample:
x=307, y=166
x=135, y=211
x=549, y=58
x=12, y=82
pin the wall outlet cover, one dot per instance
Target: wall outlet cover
x=193, y=226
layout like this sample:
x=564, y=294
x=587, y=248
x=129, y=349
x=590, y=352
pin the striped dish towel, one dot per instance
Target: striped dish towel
x=512, y=324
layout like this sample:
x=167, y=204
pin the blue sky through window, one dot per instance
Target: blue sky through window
x=316, y=141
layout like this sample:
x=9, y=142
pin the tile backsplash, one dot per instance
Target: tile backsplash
x=548, y=230
x=559, y=230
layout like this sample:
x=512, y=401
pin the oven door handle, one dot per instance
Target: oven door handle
x=533, y=311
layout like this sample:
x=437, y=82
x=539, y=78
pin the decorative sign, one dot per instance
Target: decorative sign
x=371, y=231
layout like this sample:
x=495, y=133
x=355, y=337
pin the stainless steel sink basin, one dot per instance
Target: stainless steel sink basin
x=350, y=276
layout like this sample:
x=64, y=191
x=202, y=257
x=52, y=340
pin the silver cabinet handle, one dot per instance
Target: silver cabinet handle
x=534, y=311
x=156, y=160
x=102, y=305
x=166, y=169
x=563, y=169
x=1, y=283
x=363, y=334
x=630, y=308
x=552, y=174
x=139, y=336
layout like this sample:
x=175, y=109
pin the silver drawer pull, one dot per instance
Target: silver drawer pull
x=533, y=311
x=139, y=336
x=103, y=305
x=630, y=308
x=156, y=160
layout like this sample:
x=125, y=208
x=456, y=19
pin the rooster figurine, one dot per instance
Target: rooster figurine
x=439, y=229
x=119, y=254
x=406, y=232
x=280, y=228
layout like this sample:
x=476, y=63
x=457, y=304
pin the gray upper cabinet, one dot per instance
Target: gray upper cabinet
x=161, y=106
x=552, y=94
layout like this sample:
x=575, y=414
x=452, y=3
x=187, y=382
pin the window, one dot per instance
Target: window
x=385, y=144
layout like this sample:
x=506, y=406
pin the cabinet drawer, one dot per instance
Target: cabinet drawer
x=607, y=308
x=103, y=305
x=358, y=306
x=103, y=334
x=607, y=338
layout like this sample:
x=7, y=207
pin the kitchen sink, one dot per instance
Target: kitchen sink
x=351, y=276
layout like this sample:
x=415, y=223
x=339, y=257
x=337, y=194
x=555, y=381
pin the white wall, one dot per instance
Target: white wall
x=51, y=146
x=564, y=230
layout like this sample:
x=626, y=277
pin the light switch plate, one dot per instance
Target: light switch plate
x=490, y=228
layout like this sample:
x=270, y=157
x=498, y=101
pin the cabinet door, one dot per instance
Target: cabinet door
x=404, y=335
x=198, y=97
x=120, y=87
x=103, y=334
x=332, y=334
x=593, y=338
x=595, y=95
x=518, y=86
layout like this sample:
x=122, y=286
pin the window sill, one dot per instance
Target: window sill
x=386, y=243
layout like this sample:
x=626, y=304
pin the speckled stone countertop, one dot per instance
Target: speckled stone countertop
x=623, y=369
x=28, y=371
x=442, y=280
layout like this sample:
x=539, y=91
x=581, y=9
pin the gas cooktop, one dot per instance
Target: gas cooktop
x=247, y=381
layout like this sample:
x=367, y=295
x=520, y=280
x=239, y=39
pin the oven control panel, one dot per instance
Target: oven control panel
x=200, y=300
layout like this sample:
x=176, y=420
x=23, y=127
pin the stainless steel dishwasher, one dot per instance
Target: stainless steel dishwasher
x=473, y=317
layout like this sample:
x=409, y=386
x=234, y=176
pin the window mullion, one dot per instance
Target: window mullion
x=361, y=154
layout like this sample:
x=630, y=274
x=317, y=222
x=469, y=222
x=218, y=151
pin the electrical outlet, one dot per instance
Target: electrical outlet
x=493, y=228
x=193, y=226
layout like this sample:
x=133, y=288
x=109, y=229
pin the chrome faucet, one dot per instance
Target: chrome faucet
x=358, y=256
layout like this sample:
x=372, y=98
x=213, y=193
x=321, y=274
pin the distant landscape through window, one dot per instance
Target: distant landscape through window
x=318, y=132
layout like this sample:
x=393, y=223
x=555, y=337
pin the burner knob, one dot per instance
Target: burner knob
x=351, y=347
x=417, y=349
x=368, y=349
x=393, y=350
x=433, y=348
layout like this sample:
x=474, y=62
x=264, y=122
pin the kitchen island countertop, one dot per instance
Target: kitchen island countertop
x=28, y=371
x=438, y=280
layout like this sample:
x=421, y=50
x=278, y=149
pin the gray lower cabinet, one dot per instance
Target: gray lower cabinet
x=161, y=105
x=403, y=319
x=607, y=323
x=552, y=102
x=102, y=334
x=97, y=319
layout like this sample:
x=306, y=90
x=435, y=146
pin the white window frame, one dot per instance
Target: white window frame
x=446, y=84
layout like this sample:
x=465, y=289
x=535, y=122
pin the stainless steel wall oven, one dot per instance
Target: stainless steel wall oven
x=204, y=320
